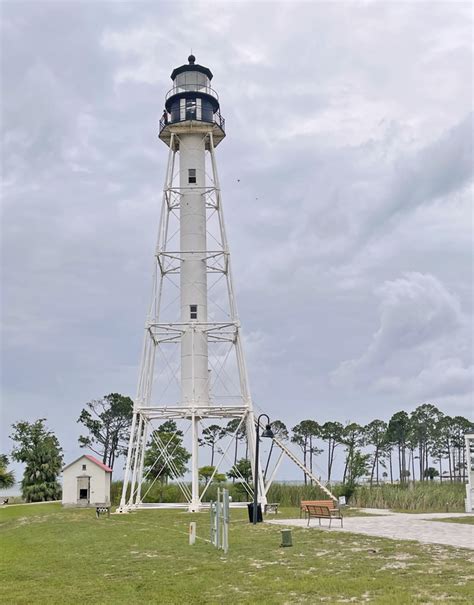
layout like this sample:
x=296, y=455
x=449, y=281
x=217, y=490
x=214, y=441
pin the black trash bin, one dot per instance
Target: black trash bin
x=259, y=512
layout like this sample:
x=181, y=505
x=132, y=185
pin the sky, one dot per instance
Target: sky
x=346, y=179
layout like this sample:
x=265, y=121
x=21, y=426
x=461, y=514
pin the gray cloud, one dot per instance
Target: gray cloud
x=420, y=324
x=346, y=182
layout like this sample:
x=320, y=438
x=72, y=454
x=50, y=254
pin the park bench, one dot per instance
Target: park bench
x=304, y=503
x=102, y=510
x=272, y=507
x=317, y=511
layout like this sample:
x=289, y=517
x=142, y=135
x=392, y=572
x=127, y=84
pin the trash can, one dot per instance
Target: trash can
x=286, y=537
x=259, y=512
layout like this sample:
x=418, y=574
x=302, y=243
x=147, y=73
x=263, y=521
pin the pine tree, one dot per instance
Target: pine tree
x=173, y=465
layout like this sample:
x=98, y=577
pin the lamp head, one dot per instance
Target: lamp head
x=268, y=432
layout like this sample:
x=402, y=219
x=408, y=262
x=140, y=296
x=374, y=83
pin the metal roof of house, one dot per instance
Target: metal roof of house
x=92, y=459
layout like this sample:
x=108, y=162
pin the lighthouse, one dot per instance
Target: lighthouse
x=196, y=327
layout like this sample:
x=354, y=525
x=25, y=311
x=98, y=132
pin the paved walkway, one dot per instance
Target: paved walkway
x=399, y=526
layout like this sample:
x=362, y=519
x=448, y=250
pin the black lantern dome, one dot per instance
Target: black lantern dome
x=192, y=101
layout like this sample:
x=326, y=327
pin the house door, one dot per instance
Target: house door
x=83, y=490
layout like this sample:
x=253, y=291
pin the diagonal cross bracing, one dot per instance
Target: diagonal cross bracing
x=300, y=465
x=197, y=338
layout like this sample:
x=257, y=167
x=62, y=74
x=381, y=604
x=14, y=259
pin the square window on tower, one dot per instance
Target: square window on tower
x=193, y=311
x=192, y=175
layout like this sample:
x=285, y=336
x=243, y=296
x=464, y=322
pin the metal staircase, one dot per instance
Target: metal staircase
x=305, y=470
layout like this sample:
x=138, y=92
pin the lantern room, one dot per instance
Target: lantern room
x=192, y=100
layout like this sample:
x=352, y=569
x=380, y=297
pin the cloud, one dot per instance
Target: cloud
x=420, y=346
x=448, y=376
x=345, y=181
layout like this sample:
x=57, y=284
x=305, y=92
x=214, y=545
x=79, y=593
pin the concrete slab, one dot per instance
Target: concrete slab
x=399, y=526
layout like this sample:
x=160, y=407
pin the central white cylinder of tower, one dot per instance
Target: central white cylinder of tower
x=193, y=275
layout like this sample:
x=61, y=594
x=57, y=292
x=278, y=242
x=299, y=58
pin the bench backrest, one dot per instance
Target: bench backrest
x=327, y=503
x=318, y=511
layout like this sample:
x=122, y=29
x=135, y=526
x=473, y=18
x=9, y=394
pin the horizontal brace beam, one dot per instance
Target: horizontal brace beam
x=178, y=253
x=230, y=338
x=155, y=412
x=170, y=340
x=179, y=326
x=177, y=270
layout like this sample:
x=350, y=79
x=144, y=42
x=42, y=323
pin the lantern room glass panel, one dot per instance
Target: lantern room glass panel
x=190, y=80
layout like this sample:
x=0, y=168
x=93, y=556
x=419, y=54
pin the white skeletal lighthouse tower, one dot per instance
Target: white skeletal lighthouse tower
x=192, y=344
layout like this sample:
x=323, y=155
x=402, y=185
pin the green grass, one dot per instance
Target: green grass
x=420, y=497
x=462, y=520
x=67, y=556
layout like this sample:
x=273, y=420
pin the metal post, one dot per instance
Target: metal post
x=192, y=533
x=127, y=468
x=255, y=488
x=257, y=474
x=213, y=522
x=218, y=520
x=138, y=498
x=138, y=445
x=194, y=506
x=226, y=520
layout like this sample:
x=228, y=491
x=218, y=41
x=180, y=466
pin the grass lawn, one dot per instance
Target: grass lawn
x=462, y=520
x=54, y=555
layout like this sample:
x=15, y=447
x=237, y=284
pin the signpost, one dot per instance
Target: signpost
x=220, y=520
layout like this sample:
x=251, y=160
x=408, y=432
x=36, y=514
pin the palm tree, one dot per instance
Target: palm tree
x=7, y=478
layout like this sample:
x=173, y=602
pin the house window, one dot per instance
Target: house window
x=84, y=467
x=192, y=175
x=193, y=311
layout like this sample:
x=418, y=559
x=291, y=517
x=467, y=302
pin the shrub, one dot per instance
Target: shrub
x=421, y=496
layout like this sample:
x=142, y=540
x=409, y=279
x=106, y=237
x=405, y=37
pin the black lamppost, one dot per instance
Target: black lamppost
x=266, y=433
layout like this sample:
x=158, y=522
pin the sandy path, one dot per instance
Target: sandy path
x=399, y=526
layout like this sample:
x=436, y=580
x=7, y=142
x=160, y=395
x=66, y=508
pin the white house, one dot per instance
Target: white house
x=86, y=482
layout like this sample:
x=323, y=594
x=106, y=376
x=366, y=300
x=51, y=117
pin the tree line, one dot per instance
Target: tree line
x=420, y=446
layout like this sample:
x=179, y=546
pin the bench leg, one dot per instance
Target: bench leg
x=309, y=518
x=330, y=521
x=319, y=519
x=342, y=522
